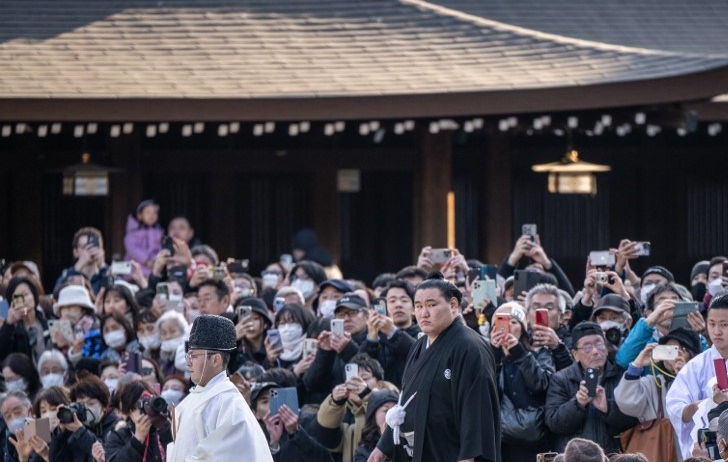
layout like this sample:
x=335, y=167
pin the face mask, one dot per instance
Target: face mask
x=326, y=309
x=16, y=385
x=175, y=298
x=172, y=396
x=97, y=414
x=115, y=339
x=52, y=419
x=698, y=291
x=171, y=345
x=244, y=292
x=305, y=286
x=111, y=384
x=16, y=424
x=52, y=380
x=613, y=332
x=150, y=342
x=715, y=286
x=645, y=292
x=270, y=280
x=291, y=334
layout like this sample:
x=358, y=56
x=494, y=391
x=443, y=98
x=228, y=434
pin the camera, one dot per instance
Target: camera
x=710, y=440
x=601, y=277
x=65, y=414
x=614, y=335
x=151, y=406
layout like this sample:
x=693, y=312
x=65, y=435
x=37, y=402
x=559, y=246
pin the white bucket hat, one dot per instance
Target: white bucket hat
x=73, y=296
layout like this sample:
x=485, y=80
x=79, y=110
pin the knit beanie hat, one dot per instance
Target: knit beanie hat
x=700, y=267
x=583, y=329
x=661, y=270
x=377, y=399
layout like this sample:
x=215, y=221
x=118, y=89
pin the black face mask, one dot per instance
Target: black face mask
x=698, y=291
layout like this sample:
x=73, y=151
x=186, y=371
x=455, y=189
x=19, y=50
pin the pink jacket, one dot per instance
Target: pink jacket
x=142, y=243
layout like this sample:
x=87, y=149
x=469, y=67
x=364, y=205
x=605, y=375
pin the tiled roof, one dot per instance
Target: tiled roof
x=687, y=26
x=260, y=49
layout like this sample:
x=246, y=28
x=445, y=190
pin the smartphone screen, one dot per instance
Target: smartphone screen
x=274, y=338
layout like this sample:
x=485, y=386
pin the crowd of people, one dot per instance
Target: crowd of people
x=173, y=354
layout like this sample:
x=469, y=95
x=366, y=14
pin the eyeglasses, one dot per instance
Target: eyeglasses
x=548, y=306
x=189, y=356
x=588, y=348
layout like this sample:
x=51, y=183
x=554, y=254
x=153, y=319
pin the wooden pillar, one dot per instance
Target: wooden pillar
x=496, y=203
x=325, y=220
x=125, y=190
x=221, y=217
x=433, y=182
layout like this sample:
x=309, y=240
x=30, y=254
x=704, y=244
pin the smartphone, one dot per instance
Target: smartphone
x=218, y=273
x=643, y=249
x=542, y=317
x=63, y=326
x=244, y=311
x=523, y=281
x=286, y=260
x=351, y=370
x=4, y=308
x=163, y=290
x=310, y=345
x=488, y=272
x=381, y=307
x=281, y=396
x=168, y=243
x=502, y=322
x=591, y=377
x=120, y=268
x=680, y=314
x=720, y=373
x=665, y=352
x=279, y=304
x=134, y=362
x=529, y=229
x=337, y=326
x=238, y=266
x=40, y=427
x=483, y=289
x=92, y=240
x=274, y=338
x=546, y=456
x=725, y=269
x=440, y=255
x=602, y=258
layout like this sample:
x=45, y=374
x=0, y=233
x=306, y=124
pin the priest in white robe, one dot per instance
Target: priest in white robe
x=214, y=422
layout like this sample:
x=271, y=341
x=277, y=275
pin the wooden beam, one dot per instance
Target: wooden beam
x=433, y=182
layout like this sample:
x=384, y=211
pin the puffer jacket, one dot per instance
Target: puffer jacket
x=568, y=420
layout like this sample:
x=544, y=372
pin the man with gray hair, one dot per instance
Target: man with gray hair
x=555, y=336
x=15, y=407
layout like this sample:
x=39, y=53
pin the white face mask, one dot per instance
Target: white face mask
x=150, y=342
x=645, y=292
x=52, y=419
x=305, y=286
x=326, y=308
x=52, y=380
x=111, y=384
x=16, y=385
x=171, y=345
x=715, y=286
x=97, y=414
x=16, y=424
x=172, y=396
x=270, y=280
x=115, y=338
x=291, y=334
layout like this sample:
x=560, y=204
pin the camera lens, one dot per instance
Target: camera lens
x=65, y=415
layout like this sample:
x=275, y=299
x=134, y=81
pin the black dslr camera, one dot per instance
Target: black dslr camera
x=65, y=414
x=710, y=440
x=151, y=406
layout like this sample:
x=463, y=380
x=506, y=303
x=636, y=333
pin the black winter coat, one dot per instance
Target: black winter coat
x=121, y=446
x=568, y=420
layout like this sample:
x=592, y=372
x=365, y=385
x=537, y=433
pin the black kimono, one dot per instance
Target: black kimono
x=455, y=414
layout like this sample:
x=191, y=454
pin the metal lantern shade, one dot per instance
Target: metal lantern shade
x=571, y=175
